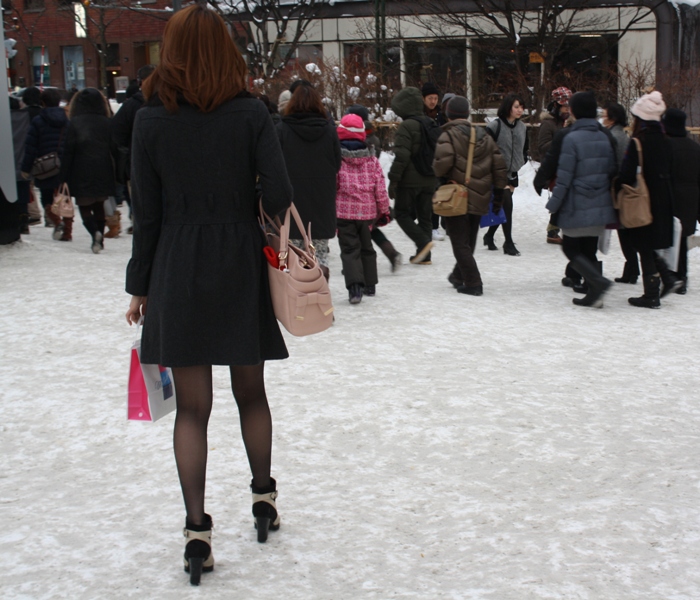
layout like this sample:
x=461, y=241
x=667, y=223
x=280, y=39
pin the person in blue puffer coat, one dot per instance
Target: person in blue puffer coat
x=47, y=134
x=581, y=198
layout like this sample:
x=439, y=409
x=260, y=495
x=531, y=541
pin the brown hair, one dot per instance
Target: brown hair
x=305, y=99
x=198, y=61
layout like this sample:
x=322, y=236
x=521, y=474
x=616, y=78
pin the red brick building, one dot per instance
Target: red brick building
x=53, y=46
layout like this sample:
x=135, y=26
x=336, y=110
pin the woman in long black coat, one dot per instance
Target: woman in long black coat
x=685, y=178
x=197, y=272
x=657, y=161
x=87, y=164
x=312, y=154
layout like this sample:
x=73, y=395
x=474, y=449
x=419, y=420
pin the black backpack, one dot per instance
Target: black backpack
x=429, y=133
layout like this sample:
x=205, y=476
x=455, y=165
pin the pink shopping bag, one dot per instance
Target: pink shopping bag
x=151, y=392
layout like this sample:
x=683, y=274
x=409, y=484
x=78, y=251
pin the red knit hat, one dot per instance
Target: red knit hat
x=352, y=127
x=561, y=96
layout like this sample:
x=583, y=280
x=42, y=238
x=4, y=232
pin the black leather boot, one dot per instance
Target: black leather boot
x=670, y=282
x=265, y=509
x=597, y=284
x=630, y=274
x=650, y=299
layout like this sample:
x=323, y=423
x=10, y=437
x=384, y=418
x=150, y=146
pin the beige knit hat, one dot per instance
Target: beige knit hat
x=649, y=107
x=283, y=100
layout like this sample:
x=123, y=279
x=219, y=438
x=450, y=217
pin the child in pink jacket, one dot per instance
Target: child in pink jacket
x=360, y=200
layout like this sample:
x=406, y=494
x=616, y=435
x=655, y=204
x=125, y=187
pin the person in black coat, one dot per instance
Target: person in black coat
x=657, y=164
x=312, y=154
x=198, y=274
x=46, y=134
x=87, y=164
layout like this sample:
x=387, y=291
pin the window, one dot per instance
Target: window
x=33, y=4
x=361, y=59
x=442, y=62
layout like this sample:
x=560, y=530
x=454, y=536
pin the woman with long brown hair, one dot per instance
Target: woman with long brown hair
x=312, y=155
x=197, y=273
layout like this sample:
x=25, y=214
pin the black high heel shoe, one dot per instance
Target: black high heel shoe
x=198, y=555
x=265, y=509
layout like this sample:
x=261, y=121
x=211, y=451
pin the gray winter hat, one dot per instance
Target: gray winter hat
x=457, y=108
x=447, y=97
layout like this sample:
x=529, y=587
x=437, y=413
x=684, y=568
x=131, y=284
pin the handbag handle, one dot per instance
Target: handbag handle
x=283, y=231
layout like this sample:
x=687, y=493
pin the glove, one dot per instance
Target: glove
x=393, y=186
x=383, y=219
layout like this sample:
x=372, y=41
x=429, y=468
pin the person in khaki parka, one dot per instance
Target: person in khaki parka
x=488, y=171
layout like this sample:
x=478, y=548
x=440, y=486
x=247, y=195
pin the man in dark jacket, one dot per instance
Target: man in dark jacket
x=412, y=192
x=582, y=198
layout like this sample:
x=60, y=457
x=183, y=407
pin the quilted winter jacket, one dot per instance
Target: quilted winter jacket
x=488, y=168
x=361, y=193
x=408, y=103
x=587, y=165
x=46, y=132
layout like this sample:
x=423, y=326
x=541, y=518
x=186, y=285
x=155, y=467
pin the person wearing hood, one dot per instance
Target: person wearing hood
x=581, y=196
x=312, y=155
x=552, y=121
x=685, y=179
x=412, y=192
x=87, y=165
x=361, y=200
x=122, y=128
x=47, y=134
x=488, y=172
x=656, y=166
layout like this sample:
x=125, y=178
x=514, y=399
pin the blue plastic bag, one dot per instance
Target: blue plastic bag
x=490, y=218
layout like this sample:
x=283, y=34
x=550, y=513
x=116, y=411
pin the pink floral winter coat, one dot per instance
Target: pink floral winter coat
x=361, y=194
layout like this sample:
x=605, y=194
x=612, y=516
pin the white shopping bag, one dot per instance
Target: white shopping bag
x=604, y=241
x=672, y=255
x=151, y=391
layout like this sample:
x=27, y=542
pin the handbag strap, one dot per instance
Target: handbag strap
x=639, y=153
x=282, y=229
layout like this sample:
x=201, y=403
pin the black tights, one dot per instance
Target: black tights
x=193, y=388
x=508, y=225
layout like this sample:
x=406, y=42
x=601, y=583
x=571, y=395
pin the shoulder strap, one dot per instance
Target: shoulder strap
x=470, y=156
x=639, y=152
x=498, y=128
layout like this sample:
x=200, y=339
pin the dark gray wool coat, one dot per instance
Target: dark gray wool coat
x=197, y=248
x=587, y=165
x=312, y=155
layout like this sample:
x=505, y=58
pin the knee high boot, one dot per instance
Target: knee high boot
x=669, y=280
x=392, y=254
x=650, y=299
x=597, y=284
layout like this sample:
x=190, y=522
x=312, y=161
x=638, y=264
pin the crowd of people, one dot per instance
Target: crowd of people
x=197, y=275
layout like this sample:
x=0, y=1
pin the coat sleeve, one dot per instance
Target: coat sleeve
x=380, y=193
x=68, y=154
x=147, y=208
x=628, y=169
x=277, y=190
x=445, y=155
x=403, y=144
x=31, y=146
x=565, y=175
x=336, y=151
x=550, y=162
x=545, y=137
x=499, y=172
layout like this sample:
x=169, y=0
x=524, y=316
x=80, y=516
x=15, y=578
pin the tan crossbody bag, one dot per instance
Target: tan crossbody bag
x=452, y=199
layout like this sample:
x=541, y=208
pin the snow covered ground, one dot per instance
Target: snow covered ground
x=429, y=445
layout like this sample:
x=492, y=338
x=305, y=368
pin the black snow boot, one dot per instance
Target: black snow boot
x=597, y=284
x=630, y=273
x=650, y=299
x=670, y=282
